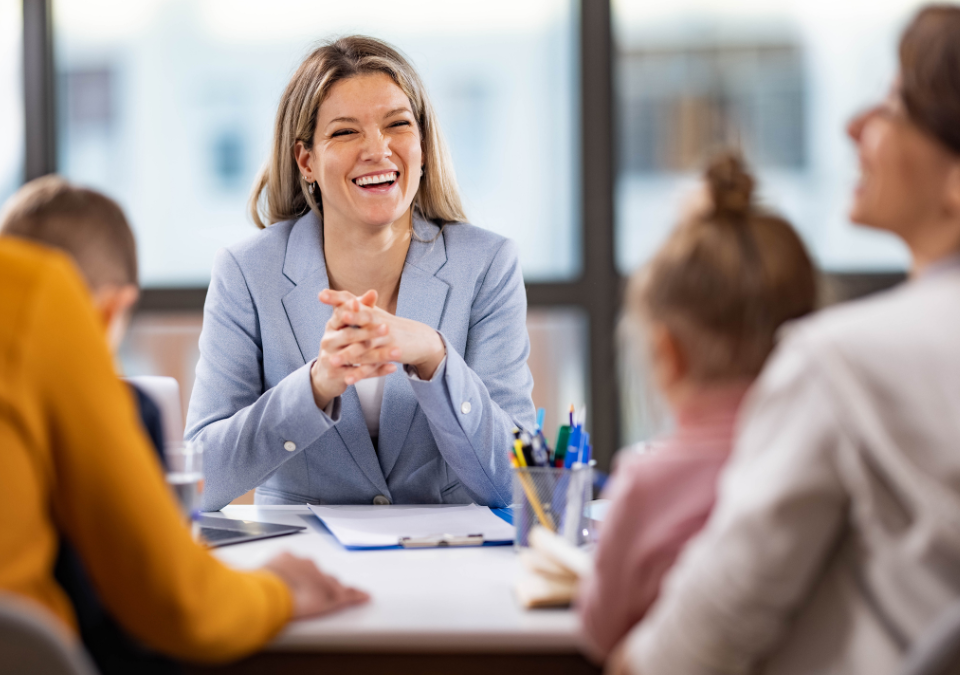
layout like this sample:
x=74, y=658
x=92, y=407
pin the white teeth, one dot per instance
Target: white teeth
x=377, y=179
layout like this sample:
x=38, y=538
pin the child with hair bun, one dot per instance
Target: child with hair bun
x=710, y=302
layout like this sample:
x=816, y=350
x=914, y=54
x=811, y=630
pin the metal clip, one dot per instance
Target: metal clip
x=442, y=541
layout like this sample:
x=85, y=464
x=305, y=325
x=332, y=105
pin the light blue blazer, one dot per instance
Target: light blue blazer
x=441, y=441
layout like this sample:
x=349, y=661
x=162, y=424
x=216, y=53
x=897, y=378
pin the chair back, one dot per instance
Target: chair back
x=165, y=392
x=32, y=642
x=937, y=652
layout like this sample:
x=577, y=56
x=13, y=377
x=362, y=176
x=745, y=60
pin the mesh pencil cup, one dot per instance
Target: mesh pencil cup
x=554, y=498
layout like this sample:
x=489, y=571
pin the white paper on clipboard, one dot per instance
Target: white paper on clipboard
x=368, y=526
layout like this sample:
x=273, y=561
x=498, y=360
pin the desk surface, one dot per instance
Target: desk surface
x=457, y=600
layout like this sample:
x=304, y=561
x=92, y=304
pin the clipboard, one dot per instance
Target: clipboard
x=407, y=526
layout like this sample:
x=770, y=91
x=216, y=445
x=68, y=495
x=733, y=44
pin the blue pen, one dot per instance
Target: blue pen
x=573, y=447
x=540, y=413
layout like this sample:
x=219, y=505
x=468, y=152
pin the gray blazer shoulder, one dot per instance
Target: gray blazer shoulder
x=252, y=405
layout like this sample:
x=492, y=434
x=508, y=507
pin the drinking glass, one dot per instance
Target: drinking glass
x=185, y=477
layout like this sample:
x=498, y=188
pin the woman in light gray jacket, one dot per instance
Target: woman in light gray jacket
x=368, y=346
x=836, y=537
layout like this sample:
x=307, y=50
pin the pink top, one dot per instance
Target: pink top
x=660, y=499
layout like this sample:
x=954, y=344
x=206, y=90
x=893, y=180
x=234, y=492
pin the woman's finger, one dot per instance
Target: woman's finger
x=335, y=298
x=385, y=369
x=374, y=334
x=354, y=354
x=345, y=315
x=362, y=354
x=369, y=298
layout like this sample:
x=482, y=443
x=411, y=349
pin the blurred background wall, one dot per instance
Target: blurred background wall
x=576, y=129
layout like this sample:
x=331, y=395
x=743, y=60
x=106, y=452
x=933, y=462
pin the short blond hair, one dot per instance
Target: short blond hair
x=85, y=224
x=280, y=191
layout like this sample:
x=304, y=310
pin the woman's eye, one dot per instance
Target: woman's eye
x=401, y=123
x=341, y=132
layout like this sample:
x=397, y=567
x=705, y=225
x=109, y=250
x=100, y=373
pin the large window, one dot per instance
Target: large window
x=581, y=158
x=169, y=107
x=779, y=79
x=11, y=97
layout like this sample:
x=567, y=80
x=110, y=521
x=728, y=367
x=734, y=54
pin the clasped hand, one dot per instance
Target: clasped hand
x=362, y=340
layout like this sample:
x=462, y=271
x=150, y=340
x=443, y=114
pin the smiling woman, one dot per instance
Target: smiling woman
x=365, y=263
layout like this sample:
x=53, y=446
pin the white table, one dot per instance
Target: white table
x=453, y=606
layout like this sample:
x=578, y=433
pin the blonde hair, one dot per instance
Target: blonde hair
x=280, y=191
x=726, y=279
x=85, y=224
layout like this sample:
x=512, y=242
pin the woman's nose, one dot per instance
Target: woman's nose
x=376, y=147
x=855, y=125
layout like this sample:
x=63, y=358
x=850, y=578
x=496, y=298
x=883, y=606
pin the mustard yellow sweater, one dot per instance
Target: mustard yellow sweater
x=73, y=460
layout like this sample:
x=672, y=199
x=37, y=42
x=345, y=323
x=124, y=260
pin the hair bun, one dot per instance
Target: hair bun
x=730, y=185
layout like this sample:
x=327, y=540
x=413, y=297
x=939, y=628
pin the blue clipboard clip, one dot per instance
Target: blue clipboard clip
x=442, y=541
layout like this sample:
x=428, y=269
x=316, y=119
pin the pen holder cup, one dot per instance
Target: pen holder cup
x=553, y=497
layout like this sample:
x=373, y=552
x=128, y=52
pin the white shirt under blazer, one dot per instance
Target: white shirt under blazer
x=440, y=441
x=835, y=541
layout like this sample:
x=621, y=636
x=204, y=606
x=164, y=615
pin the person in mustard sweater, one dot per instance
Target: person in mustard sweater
x=74, y=462
x=93, y=230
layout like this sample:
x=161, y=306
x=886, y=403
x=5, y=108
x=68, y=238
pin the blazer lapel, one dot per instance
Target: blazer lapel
x=422, y=298
x=305, y=266
x=353, y=430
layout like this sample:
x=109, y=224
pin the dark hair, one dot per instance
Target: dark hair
x=85, y=224
x=930, y=72
x=726, y=279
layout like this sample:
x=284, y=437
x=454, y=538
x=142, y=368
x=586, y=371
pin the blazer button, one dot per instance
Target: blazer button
x=289, y=446
x=380, y=500
x=465, y=407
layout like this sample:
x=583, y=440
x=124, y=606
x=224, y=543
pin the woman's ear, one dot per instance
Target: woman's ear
x=669, y=361
x=304, y=159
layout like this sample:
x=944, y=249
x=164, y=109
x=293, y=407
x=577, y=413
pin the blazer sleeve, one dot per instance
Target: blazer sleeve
x=244, y=428
x=109, y=498
x=474, y=402
x=780, y=511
